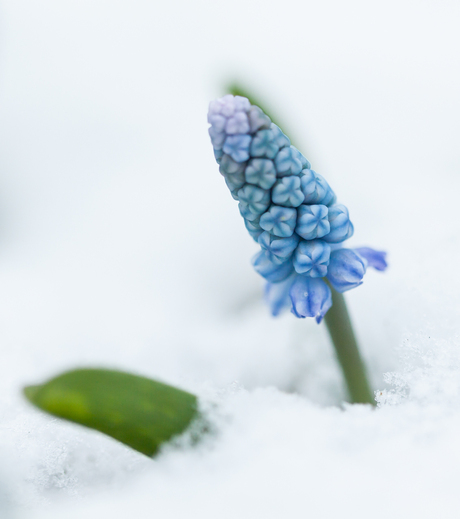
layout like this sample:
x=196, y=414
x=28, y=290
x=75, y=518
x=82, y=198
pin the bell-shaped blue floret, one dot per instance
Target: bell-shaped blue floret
x=258, y=120
x=287, y=192
x=261, y=172
x=277, y=249
x=341, y=227
x=238, y=123
x=346, y=269
x=310, y=297
x=277, y=295
x=374, y=258
x=228, y=166
x=312, y=221
x=253, y=199
x=281, y=139
x=288, y=161
x=279, y=221
x=315, y=189
x=312, y=258
x=272, y=272
x=264, y=144
x=235, y=182
x=253, y=228
x=237, y=146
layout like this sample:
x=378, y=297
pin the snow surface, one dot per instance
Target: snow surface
x=120, y=246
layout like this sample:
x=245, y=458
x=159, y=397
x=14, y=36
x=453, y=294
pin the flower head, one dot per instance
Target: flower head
x=288, y=209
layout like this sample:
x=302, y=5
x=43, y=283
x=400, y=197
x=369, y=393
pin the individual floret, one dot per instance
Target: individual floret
x=312, y=258
x=312, y=221
x=287, y=192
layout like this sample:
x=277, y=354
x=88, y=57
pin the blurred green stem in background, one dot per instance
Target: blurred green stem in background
x=337, y=318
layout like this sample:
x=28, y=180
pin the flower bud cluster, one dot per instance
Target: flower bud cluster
x=288, y=209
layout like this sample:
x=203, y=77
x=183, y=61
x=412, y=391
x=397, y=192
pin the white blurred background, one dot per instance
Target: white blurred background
x=120, y=245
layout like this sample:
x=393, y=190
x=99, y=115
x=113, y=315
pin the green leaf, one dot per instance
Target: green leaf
x=136, y=411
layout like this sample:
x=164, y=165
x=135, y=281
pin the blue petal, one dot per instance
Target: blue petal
x=374, y=258
x=235, y=182
x=257, y=119
x=261, y=172
x=288, y=161
x=217, y=121
x=277, y=249
x=246, y=212
x=229, y=167
x=312, y=221
x=281, y=139
x=264, y=144
x=310, y=297
x=218, y=155
x=237, y=124
x=217, y=138
x=237, y=146
x=341, y=227
x=256, y=199
x=269, y=270
x=277, y=295
x=346, y=269
x=279, y=221
x=253, y=228
x=312, y=258
x=287, y=192
x=315, y=189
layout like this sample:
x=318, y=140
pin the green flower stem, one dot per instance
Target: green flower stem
x=346, y=348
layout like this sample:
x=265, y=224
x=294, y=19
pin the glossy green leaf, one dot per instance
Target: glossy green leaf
x=137, y=411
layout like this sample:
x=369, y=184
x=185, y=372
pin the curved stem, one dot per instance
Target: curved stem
x=341, y=331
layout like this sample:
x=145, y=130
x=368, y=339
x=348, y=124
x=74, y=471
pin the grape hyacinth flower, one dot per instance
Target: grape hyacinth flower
x=292, y=213
x=289, y=209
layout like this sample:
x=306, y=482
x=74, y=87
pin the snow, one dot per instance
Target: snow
x=120, y=246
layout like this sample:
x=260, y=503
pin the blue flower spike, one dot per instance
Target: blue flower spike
x=292, y=213
x=289, y=210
